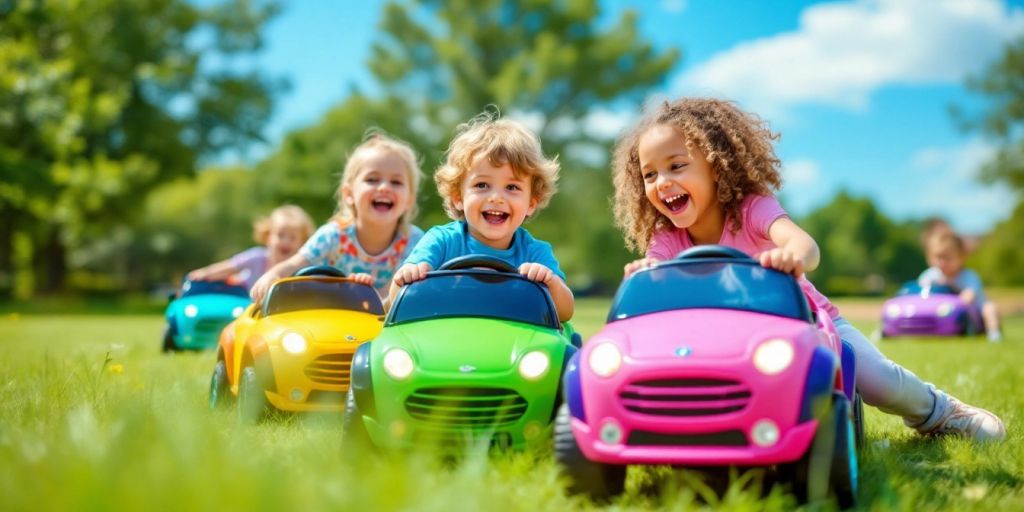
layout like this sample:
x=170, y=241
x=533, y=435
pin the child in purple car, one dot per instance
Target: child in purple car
x=281, y=234
x=946, y=254
x=702, y=171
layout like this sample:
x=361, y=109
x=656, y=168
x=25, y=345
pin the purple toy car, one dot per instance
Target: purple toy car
x=930, y=310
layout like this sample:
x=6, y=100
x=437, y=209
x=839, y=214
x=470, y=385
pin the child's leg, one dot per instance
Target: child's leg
x=990, y=315
x=895, y=390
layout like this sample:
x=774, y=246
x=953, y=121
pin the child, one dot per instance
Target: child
x=280, y=233
x=946, y=253
x=701, y=171
x=494, y=177
x=372, y=231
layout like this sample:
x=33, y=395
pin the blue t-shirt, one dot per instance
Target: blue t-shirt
x=967, y=278
x=448, y=241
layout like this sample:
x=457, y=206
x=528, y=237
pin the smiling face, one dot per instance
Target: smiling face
x=679, y=181
x=284, y=239
x=380, y=192
x=494, y=201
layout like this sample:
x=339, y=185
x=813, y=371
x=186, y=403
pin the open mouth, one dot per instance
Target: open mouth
x=382, y=205
x=676, y=204
x=495, y=217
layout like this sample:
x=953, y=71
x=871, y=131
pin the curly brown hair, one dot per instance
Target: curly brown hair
x=737, y=145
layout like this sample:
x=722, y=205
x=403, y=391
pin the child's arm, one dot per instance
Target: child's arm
x=408, y=273
x=282, y=269
x=560, y=292
x=635, y=265
x=796, y=251
x=214, y=271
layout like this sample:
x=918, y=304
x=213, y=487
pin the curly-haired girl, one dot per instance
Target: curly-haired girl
x=702, y=171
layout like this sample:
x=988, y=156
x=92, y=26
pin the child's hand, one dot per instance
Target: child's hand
x=411, y=272
x=536, y=272
x=197, y=275
x=362, y=278
x=635, y=265
x=968, y=295
x=260, y=287
x=783, y=260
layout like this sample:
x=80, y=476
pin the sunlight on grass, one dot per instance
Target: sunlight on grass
x=93, y=416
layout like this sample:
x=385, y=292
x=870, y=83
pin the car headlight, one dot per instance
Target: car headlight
x=237, y=312
x=944, y=309
x=773, y=356
x=605, y=359
x=191, y=310
x=534, y=365
x=398, y=364
x=293, y=343
x=893, y=311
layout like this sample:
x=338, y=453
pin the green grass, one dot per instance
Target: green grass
x=94, y=417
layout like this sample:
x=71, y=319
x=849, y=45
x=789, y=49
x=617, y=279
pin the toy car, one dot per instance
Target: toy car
x=198, y=312
x=467, y=355
x=711, y=360
x=293, y=351
x=930, y=310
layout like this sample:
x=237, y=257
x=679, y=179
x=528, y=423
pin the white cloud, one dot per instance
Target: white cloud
x=844, y=51
x=801, y=173
x=606, y=124
x=948, y=187
x=673, y=6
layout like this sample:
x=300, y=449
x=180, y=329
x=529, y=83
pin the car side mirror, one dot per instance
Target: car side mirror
x=576, y=340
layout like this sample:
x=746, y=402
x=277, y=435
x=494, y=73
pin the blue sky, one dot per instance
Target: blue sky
x=859, y=89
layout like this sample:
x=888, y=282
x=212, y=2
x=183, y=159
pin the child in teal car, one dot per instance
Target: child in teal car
x=495, y=176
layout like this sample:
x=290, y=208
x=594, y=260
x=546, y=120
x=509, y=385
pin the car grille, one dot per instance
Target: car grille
x=685, y=397
x=916, y=324
x=330, y=369
x=723, y=438
x=464, y=407
x=210, y=327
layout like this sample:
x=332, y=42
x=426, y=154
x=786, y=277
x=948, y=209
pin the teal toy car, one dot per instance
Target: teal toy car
x=199, y=311
x=468, y=355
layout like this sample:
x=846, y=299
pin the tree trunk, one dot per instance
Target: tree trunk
x=51, y=265
x=7, y=253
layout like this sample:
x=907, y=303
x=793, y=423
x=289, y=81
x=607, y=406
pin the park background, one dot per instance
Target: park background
x=140, y=139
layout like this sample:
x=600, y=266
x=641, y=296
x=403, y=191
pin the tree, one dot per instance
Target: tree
x=102, y=100
x=438, y=63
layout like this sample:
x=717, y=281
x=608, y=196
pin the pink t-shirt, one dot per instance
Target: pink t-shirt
x=759, y=212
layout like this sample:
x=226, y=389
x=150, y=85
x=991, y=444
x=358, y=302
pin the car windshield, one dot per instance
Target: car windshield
x=744, y=286
x=305, y=294
x=475, y=293
x=915, y=288
x=191, y=288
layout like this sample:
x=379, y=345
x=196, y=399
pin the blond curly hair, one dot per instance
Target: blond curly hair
x=501, y=141
x=376, y=139
x=288, y=215
x=737, y=145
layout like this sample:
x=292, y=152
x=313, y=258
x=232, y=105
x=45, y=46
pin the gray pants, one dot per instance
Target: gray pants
x=888, y=386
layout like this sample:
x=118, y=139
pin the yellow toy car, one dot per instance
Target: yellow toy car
x=293, y=351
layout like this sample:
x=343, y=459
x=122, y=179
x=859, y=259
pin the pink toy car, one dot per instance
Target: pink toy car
x=712, y=360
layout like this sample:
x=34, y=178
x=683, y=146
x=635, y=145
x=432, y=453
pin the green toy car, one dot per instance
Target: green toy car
x=468, y=355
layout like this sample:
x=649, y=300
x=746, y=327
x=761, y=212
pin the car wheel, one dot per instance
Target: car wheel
x=219, y=386
x=829, y=466
x=858, y=419
x=168, y=345
x=599, y=481
x=252, y=401
x=354, y=436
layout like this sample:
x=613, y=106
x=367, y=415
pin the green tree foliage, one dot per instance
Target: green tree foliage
x=438, y=63
x=102, y=100
x=999, y=259
x=862, y=251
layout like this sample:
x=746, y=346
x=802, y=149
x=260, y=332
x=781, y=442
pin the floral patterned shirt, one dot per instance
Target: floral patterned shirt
x=336, y=244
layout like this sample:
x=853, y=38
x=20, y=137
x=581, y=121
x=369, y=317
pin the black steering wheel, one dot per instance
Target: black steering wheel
x=478, y=260
x=319, y=270
x=712, y=251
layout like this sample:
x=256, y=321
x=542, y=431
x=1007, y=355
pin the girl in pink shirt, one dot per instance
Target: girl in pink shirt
x=702, y=171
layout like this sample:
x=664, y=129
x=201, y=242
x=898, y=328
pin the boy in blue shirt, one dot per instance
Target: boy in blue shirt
x=494, y=177
x=946, y=254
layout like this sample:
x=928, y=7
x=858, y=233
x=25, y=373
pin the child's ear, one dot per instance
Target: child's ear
x=533, y=206
x=346, y=195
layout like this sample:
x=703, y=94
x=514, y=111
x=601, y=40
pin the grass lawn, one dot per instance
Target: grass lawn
x=94, y=417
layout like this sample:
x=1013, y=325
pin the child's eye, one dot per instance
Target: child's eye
x=481, y=186
x=677, y=165
x=397, y=183
x=650, y=175
x=372, y=179
x=513, y=187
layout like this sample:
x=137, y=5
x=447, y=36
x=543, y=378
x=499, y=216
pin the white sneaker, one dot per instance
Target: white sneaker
x=962, y=420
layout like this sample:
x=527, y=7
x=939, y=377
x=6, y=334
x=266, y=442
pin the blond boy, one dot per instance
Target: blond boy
x=946, y=253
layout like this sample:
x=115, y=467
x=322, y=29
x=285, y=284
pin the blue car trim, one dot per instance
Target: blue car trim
x=360, y=381
x=849, y=371
x=570, y=351
x=821, y=375
x=572, y=390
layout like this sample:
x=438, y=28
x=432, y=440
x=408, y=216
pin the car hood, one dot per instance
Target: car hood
x=704, y=333
x=485, y=344
x=915, y=305
x=208, y=305
x=327, y=325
